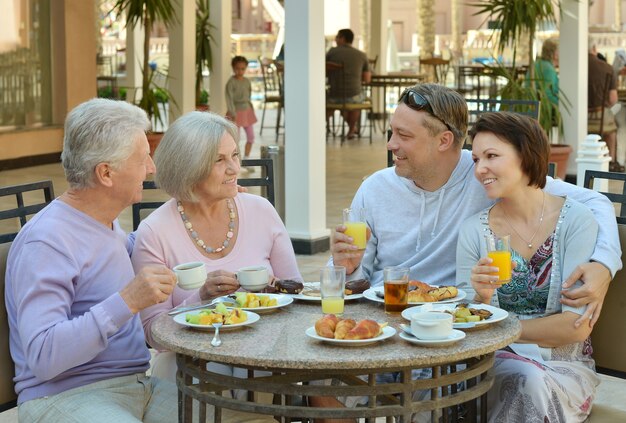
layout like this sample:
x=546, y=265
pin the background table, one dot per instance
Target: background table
x=277, y=344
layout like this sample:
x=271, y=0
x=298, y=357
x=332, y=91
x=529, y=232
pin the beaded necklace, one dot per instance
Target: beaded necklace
x=194, y=235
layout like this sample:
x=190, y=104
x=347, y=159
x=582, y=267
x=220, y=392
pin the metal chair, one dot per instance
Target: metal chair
x=23, y=208
x=266, y=182
x=336, y=71
x=616, y=198
x=272, y=91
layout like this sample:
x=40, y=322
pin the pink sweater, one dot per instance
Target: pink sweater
x=262, y=240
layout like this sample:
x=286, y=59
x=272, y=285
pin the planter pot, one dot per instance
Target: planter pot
x=559, y=154
x=154, y=138
x=202, y=107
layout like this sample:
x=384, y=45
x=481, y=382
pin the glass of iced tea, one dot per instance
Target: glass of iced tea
x=499, y=250
x=396, y=281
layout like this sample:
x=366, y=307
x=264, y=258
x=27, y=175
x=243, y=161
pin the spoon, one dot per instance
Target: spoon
x=216, y=341
x=406, y=329
x=224, y=300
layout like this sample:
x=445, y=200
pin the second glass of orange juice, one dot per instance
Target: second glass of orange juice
x=356, y=228
x=499, y=250
x=332, y=288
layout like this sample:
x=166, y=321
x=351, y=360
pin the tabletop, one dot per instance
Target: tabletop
x=278, y=341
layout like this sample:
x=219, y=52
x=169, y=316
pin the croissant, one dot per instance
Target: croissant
x=444, y=292
x=365, y=329
x=325, y=327
x=419, y=296
x=343, y=327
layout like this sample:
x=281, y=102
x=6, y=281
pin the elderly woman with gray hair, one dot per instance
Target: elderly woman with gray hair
x=207, y=220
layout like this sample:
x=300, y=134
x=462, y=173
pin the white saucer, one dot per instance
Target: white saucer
x=455, y=336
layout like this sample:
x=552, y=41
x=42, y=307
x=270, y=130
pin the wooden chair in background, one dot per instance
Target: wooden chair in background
x=272, y=91
x=344, y=106
x=437, y=69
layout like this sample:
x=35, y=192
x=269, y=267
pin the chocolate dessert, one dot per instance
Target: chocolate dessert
x=357, y=286
x=288, y=286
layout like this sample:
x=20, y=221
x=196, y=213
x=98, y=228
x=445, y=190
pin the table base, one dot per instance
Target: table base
x=465, y=382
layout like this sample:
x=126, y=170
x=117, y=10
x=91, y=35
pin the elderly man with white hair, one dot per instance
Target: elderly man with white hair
x=73, y=299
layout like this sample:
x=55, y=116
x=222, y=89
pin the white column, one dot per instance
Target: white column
x=573, y=57
x=378, y=33
x=182, y=50
x=134, y=59
x=305, y=151
x=593, y=154
x=221, y=19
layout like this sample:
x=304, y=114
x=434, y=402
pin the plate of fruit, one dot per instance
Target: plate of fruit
x=261, y=302
x=465, y=315
x=204, y=318
x=348, y=332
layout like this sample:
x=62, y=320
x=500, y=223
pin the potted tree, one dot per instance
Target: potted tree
x=145, y=13
x=517, y=22
x=204, y=53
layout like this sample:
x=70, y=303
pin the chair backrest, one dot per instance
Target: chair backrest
x=8, y=398
x=609, y=346
x=437, y=68
x=271, y=83
x=476, y=107
x=266, y=182
x=616, y=198
x=23, y=207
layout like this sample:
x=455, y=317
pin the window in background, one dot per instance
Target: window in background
x=25, y=70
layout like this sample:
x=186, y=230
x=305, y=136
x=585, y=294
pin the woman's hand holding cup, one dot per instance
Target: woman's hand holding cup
x=218, y=283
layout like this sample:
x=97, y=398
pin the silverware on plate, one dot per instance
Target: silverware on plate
x=216, y=341
x=227, y=302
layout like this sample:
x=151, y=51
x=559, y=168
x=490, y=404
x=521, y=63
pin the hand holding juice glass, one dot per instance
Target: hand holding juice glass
x=332, y=288
x=356, y=228
x=396, y=281
x=499, y=250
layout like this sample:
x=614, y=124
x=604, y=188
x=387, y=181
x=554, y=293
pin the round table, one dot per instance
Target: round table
x=296, y=366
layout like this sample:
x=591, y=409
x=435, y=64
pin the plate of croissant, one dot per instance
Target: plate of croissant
x=421, y=293
x=349, y=332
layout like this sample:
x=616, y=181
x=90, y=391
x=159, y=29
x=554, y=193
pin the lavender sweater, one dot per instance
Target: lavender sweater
x=68, y=324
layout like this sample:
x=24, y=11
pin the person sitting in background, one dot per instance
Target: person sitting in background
x=346, y=83
x=597, y=92
x=71, y=293
x=549, y=376
x=546, y=77
x=207, y=220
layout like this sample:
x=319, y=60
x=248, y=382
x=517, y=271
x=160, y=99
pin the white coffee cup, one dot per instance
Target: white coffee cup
x=191, y=275
x=431, y=325
x=253, y=278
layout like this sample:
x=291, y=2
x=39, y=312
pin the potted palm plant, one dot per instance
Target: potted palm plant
x=204, y=53
x=517, y=22
x=145, y=13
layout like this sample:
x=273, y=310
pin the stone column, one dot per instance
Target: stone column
x=305, y=151
x=573, y=57
x=378, y=34
x=134, y=59
x=182, y=51
x=426, y=27
x=221, y=19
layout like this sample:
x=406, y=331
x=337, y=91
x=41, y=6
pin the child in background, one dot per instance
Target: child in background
x=240, y=110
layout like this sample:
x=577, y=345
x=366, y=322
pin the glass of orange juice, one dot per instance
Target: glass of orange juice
x=356, y=228
x=332, y=288
x=499, y=250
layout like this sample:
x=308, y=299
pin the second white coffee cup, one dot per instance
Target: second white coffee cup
x=191, y=275
x=431, y=325
x=253, y=278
